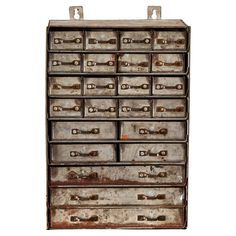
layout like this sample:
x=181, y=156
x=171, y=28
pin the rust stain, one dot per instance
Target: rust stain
x=125, y=137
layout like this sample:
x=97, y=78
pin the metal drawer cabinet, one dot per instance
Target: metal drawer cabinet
x=117, y=111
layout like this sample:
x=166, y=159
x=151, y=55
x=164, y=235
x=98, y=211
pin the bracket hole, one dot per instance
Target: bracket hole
x=76, y=13
x=154, y=14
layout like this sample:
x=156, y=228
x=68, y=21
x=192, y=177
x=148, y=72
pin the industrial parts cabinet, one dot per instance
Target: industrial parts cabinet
x=117, y=122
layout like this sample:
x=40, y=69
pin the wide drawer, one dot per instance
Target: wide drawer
x=69, y=197
x=117, y=175
x=154, y=217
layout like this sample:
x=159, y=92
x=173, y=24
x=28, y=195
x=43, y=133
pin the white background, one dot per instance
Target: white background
x=212, y=195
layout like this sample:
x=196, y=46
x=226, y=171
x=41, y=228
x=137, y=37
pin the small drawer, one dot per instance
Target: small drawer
x=83, y=130
x=64, y=62
x=100, y=108
x=168, y=63
x=153, y=152
x=100, y=86
x=157, y=130
x=169, y=86
x=101, y=40
x=135, y=108
x=64, y=86
x=66, y=40
x=134, y=63
x=134, y=86
x=175, y=40
x=66, y=153
x=169, y=108
x=65, y=108
x=99, y=63
x=135, y=40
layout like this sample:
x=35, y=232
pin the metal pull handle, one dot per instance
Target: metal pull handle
x=65, y=63
x=72, y=175
x=82, y=198
x=127, y=86
x=175, y=109
x=77, y=218
x=92, y=131
x=147, y=175
x=147, y=218
x=162, y=86
x=95, y=41
x=146, y=197
x=162, y=131
x=94, y=86
x=94, y=63
x=142, y=109
x=129, y=40
x=126, y=64
x=169, y=41
x=95, y=109
x=81, y=154
x=162, y=63
x=60, y=86
x=161, y=153
x=60, y=108
x=60, y=40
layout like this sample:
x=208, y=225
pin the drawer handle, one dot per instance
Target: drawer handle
x=161, y=153
x=72, y=175
x=146, y=197
x=93, y=63
x=94, y=86
x=147, y=218
x=128, y=109
x=162, y=63
x=60, y=86
x=60, y=40
x=95, y=41
x=169, y=41
x=162, y=86
x=65, y=63
x=60, y=108
x=95, y=109
x=129, y=40
x=162, y=131
x=147, y=175
x=176, y=109
x=92, y=131
x=81, y=198
x=127, y=86
x=89, y=154
x=77, y=218
x=126, y=64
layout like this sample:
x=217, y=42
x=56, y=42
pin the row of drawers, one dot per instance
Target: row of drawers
x=111, y=63
x=114, y=40
x=100, y=86
x=111, y=108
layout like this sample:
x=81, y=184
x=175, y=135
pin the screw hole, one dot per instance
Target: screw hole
x=76, y=14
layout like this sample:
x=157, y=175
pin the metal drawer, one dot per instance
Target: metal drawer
x=61, y=153
x=149, y=217
x=155, y=152
x=117, y=175
x=83, y=130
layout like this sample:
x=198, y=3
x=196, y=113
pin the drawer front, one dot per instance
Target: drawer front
x=65, y=108
x=100, y=108
x=158, y=152
x=135, y=108
x=170, y=40
x=168, y=63
x=117, y=217
x=99, y=63
x=64, y=197
x=101, y=40
x=99, y=86
x=64, y=86
x=66, y=40
x=82, y=153
x=168, y=86
x=153, y=130
x=132, y=40
x=164, y=108
x=134, y=86
x=117, y=175
x=83, y=130
x=64, y=62
x=133, y=63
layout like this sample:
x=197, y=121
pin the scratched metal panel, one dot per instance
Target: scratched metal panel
x=117, y=217
x=99, y=86
x=66, y=40
x=168, y=63
x=65, y=108
x=153, y=130
x=83, y=130
x=64, y=86
x=100, y=108
x=135, y=108
x=158, y=152
x=82, y=153
x=135, y=40
x=101, y=40
x=117, y=175
x=64, y=197
x=138, y=85
x=173, y=86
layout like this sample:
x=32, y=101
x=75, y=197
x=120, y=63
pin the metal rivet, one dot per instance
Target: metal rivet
x=54, y=108
x=90, y=109
x=145, y=108
x=142, y=153
x=76, y=63
x=110, y=63
x=125, y=40
x=147, y=41
x=54, y=63
x=124, y=109
x=111, y=86
x=77, y=108
x=74, y=131
x=56, y=41
x=77, y=40
x=95, y=131
x=179, y=86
